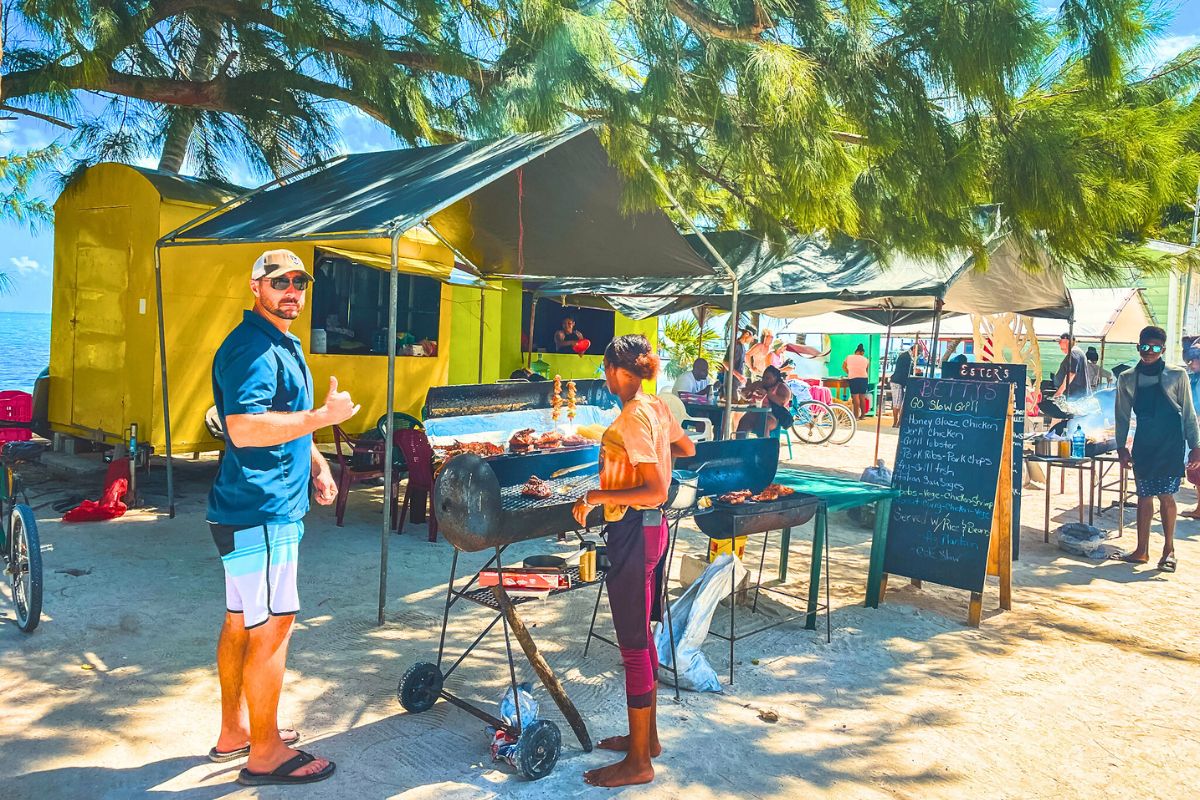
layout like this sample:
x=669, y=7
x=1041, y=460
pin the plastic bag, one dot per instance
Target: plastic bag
x=691, y=615
x=878, y=474
x=1082, y=540
x=504, y=746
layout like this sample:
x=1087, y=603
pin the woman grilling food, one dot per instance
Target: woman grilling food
x=635, y=474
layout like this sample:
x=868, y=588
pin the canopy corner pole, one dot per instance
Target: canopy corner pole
x=533, y=299
x=887, y=349
x=162, y=363
x=389, y=429
x=934, y=363
x=727, y=419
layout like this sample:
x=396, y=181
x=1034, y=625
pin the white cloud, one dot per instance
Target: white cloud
x=1168, y=47
x=26, y=265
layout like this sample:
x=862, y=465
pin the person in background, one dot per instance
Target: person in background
x=1192, y=357
x=695, y=380
x=856, y=366
x=1161, y=397
x=778, y=354
x=566, y=337
x=739, y=355
x=953, y=357
x=901, y=372
x=1097, y=375
x=1071, y=380
x=636, y=455
x=524, y=373
x=758, y=357
x=778, y=397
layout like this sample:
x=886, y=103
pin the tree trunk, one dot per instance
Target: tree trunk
x=182, y=121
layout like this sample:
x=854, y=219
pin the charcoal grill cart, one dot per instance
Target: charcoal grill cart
x=480, y=507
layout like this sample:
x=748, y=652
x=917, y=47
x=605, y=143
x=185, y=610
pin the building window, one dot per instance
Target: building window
x=595, y=324
x=350, y=313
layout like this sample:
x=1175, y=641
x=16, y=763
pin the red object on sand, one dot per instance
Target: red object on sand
x=582, y=346
x=116, y=484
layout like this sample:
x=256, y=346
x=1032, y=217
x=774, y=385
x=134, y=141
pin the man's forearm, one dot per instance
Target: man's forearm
x=319, y=464
x=272, y=427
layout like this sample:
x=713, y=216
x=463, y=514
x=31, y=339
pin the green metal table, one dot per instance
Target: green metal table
x=837, y=494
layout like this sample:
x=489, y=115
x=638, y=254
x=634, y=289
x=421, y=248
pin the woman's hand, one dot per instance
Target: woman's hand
x=1194, y=458
x=581, y=510
x=1125, y=458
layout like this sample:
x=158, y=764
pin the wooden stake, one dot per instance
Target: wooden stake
x=549, y=679
x=975, y=610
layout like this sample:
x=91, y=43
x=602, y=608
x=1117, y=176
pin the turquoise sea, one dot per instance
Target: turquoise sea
x=24, y=349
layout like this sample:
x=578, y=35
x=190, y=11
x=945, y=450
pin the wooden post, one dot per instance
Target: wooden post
x=1000, y=549
x=975, y=610
x=549, y=679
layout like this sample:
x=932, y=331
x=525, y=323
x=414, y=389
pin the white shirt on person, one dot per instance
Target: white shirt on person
x=687, y=382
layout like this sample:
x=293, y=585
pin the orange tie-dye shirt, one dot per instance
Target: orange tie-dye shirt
x=642, y=434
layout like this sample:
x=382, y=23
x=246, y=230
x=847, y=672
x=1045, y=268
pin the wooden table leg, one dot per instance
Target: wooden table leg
x=883, y=510
x=820, y=526
x=784, y=543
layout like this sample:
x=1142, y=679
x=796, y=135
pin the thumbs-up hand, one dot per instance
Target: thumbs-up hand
x=338, y=406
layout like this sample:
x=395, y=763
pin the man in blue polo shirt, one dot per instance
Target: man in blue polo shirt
x=264, y=396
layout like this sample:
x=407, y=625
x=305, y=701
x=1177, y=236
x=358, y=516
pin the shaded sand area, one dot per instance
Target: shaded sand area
x=1087, y=688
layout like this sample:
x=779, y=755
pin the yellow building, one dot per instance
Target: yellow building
x=104, y=357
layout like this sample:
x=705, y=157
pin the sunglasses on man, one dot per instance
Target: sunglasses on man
x=1150, y=348
x=301, y=282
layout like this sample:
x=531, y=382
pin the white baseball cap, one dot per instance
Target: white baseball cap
x=274, y=263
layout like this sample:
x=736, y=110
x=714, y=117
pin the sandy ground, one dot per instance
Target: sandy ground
x=1086, y=688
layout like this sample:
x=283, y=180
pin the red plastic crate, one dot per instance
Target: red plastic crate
x=16, y=407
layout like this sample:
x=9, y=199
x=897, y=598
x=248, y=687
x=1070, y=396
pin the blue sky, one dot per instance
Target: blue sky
x=27, y=256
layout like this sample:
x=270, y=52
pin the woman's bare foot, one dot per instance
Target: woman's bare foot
x=621, y=745
x=625, y=772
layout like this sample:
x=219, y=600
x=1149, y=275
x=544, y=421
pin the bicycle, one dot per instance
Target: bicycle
x=20, y=548
x=813, y=422
x=845, y=424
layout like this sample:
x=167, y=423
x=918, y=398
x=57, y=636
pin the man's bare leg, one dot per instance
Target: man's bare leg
x=1170, y=511
x=262, y=679
x=1145, y=515
x=235, y=715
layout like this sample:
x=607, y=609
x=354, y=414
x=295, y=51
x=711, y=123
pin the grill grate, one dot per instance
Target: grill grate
x=485, y=597
x=567, y=490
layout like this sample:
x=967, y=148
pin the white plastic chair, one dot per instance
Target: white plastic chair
x=679, y=411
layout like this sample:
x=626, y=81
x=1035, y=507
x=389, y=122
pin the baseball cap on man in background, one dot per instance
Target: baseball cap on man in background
x=274, y=263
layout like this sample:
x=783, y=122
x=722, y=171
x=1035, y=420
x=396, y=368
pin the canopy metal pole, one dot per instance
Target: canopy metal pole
x=727, y=424
x=532, y=316
x=389, y=439
x=162, y=362
x=934, y=351
x=482, y=329
x=887, y=348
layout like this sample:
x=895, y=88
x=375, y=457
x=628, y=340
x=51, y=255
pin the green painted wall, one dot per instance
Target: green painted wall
x=844, y=344
x=465, y=334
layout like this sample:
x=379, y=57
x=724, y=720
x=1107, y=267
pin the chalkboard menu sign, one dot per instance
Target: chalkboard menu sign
x=947, y=468
x=1018, y=376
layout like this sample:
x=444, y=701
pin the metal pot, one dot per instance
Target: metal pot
x=1045, y=447
x=686, y=486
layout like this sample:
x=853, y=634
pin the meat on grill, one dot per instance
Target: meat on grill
x=575, y=440
x=521, y=441
x=536, y=487
x=548, y=441
x=481, y=449
x=773, y=492
x=735, y=498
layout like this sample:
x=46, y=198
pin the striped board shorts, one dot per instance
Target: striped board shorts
x=260, y=569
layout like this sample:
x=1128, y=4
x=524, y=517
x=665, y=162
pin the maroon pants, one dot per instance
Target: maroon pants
x=634, y=553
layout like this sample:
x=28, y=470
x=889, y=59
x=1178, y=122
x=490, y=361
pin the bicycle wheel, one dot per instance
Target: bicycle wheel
x=25, y=567
x=813, y=422
x=846, y=426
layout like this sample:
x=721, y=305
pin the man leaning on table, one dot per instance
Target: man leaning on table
x=695, y=380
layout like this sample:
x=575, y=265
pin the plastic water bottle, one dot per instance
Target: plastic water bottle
x=1078, y=443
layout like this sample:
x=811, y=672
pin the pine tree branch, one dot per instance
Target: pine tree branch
x=701, y=20
x=472, y=70
x=38, y=115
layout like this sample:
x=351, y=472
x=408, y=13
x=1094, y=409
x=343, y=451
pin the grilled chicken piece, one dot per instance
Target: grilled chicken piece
x=536, y=487
x=521, y=441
